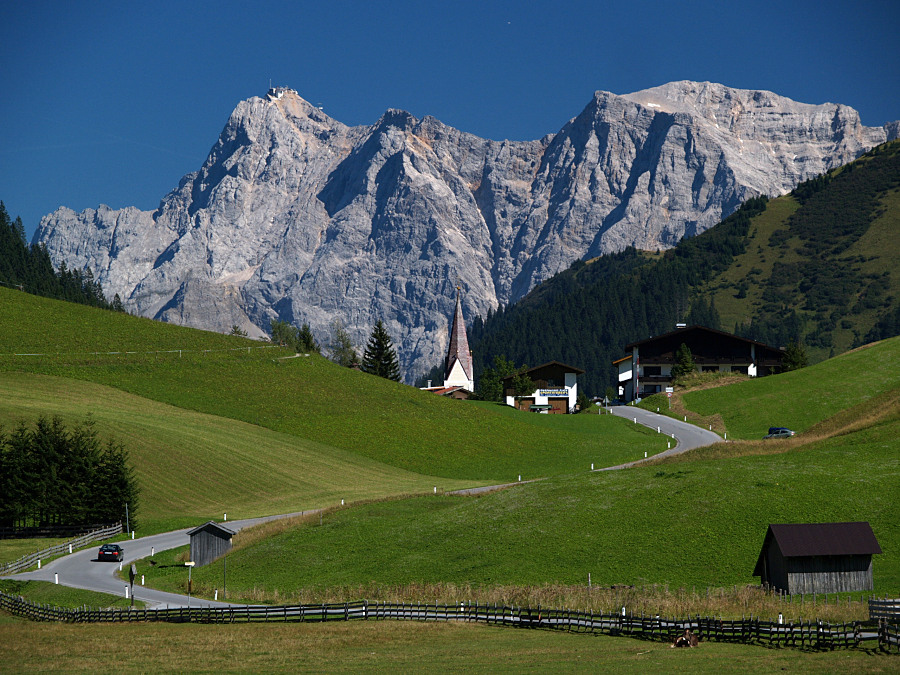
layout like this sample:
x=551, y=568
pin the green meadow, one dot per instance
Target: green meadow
x=686, y=524
x=218, y=424
x=802, y=398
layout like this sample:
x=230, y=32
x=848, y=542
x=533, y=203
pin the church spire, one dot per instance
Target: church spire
x=458, y=370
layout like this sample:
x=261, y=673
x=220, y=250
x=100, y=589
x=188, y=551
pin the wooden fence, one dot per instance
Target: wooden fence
x=806, y=634
x=27, y=561
x=884, y=608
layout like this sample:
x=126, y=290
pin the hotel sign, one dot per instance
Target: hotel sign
x=553, y=392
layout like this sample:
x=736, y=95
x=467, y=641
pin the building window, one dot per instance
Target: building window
x=652, y=371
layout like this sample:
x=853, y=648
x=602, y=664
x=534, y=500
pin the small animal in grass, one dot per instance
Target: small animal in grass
x=688, y=639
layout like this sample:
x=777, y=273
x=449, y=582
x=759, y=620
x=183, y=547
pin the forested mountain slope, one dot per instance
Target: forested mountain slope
x=815, y=265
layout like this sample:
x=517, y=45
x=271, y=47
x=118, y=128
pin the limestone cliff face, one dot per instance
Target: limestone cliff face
x=298, y=217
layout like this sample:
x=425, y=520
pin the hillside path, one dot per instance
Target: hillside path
x=687, y=436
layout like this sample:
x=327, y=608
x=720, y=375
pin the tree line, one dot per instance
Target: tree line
x=29, y=268
x=54, y=475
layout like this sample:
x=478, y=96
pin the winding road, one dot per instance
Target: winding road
x=687, y=436
x=82, y=570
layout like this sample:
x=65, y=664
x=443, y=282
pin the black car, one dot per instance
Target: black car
x=112, y=552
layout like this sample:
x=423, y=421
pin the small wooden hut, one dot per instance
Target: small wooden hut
x=817, y=557
x=208, y=542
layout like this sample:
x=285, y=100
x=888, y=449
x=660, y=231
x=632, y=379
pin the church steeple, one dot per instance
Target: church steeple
x=458, y=371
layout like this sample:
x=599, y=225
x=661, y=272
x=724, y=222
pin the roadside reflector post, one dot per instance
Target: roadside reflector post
x=120, y=565
x=132, y=534
x=216, y=596
x=225, y=516
x=658, y=430
x=70, y=548
x=39, y=563
x=152, y=549
x=592, y=466
x=635, y=420
x=435, y=489
x=645, y=454
x=142, y=580
x=126, y=591
x=56, y=578
x=520, y=478
x=726, y=435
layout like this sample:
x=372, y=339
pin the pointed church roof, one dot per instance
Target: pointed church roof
x=459, y=343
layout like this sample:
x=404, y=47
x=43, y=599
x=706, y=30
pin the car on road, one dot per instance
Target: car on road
x=779, y=432
x=112, y=552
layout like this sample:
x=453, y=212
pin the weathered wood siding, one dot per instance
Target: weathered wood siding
x=207, y=546
x=829, y=574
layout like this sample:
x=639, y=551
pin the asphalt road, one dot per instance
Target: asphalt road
x=687, y=436
x=82, y=569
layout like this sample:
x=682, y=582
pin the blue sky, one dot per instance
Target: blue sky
x=113, y=102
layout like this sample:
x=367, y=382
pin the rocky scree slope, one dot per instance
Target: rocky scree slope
x=298, y=217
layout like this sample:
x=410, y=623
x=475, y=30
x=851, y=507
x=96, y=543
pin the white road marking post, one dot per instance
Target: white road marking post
x=56, y=578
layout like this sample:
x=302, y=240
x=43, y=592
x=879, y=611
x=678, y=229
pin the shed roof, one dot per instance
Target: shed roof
x=214, y=527
x=819, y=539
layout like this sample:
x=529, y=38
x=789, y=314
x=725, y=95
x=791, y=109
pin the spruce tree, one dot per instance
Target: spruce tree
x=684, y=362
x=380, y=358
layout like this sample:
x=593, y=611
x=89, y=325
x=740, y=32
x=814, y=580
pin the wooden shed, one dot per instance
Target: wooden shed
x=208, y=542
x=817, y=557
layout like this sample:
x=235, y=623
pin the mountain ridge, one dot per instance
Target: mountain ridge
x=298, y=217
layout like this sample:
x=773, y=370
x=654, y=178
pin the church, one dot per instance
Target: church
x=459, y=375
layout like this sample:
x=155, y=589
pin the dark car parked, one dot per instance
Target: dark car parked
x=779, y=432
x=112, y=552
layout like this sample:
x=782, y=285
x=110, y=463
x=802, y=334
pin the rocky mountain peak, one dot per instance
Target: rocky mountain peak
x=299, y=217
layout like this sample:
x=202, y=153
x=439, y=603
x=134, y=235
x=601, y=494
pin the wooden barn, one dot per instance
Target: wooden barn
x=817, y=557
x=208, y=542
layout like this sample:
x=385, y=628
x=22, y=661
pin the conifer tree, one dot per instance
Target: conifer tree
x=380, y=358
x=684, y=362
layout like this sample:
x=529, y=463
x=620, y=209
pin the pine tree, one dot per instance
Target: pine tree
x=380, y=358
x=794, y=357
x=684, y=362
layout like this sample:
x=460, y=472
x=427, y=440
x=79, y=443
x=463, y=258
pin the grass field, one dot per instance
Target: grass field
x=44, y=593
x=687, y=524
x=314, y=399
x=388, y=646
x=802, y=398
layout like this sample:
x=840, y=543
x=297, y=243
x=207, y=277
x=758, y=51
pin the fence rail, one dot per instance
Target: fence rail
x=804, y=634
x=31, y=559
x=885, y=608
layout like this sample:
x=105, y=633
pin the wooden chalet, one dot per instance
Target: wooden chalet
x=647, y=370
x=817, y=557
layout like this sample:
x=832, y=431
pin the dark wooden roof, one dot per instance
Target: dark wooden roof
x=554, y=364
x=819, y=539
x=213, y=527
x=701, y=329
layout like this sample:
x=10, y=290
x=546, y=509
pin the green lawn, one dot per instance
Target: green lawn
x=691, y=523
x=804, y=397
x=193, y=467
x=45, y=593
x=310, y=398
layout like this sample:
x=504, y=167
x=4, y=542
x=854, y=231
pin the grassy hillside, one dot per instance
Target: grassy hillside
x=802, y=398
x=220, y=424
x=691, y=523
x=193, y=467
